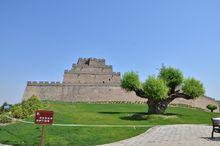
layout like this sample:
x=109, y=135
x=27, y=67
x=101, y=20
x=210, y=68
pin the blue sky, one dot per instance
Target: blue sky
x=39, y=39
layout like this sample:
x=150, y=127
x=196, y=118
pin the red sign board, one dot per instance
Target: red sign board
x=43, y=117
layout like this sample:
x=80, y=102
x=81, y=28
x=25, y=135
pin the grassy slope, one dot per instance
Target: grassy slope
x=96, y=114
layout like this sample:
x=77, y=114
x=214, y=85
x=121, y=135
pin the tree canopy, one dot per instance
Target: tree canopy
x=131, y=81
x=171, y=76
x=193, y=87
x=169, y=81
x=155, y=88
x=160, y=90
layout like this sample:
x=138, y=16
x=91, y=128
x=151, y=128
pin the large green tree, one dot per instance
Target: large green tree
x=162, y=89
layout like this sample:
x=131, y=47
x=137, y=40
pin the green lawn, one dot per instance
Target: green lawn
x=95, y=114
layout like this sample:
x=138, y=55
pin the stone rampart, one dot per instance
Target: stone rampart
x=80, y=93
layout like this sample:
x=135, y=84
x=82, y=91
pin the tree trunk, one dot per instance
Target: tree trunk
x=157, y=107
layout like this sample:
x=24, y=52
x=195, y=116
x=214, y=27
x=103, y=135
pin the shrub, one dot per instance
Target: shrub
x=18, y=112
x=211, y=107
x=4, y=119
x=26, y=108
x=31, y=105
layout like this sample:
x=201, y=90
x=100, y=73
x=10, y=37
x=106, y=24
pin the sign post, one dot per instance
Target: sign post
x=42, y=136
x=44, y=118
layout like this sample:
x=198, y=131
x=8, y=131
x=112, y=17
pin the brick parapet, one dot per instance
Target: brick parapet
x=45, y=83
x=35, y=83
x=90, y=62
x=97, y=73
x=92, y=85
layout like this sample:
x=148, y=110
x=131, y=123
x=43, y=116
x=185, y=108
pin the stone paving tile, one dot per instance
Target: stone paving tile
x=173, y=135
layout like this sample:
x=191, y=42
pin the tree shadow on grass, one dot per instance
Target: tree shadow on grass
x=145, y=116
x=112, y=113
x=137, y=116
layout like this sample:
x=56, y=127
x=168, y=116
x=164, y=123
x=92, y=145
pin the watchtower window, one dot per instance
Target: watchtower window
x=109, y=79
x=87, y=62
x=103, y=82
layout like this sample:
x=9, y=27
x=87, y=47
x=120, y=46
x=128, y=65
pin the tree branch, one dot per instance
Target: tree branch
x=178, y=95
x=172, y=90
x=140, y=93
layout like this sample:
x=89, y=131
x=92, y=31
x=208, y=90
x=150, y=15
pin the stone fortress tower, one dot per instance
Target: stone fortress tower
x=91, y=72
x=90, y=80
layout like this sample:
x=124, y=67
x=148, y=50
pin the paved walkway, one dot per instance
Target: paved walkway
x=173, y=135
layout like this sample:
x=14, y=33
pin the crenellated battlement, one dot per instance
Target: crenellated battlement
x=86, y=71
x=35, y=83
x=79, y=68
x=91, y=62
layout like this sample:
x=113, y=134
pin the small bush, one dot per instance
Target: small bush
x=211, y=107
x=26, y=108
x=31, y=105
x=18, y=112
x=4, y=119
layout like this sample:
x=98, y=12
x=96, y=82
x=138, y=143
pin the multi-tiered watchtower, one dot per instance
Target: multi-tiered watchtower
x=91, y=71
